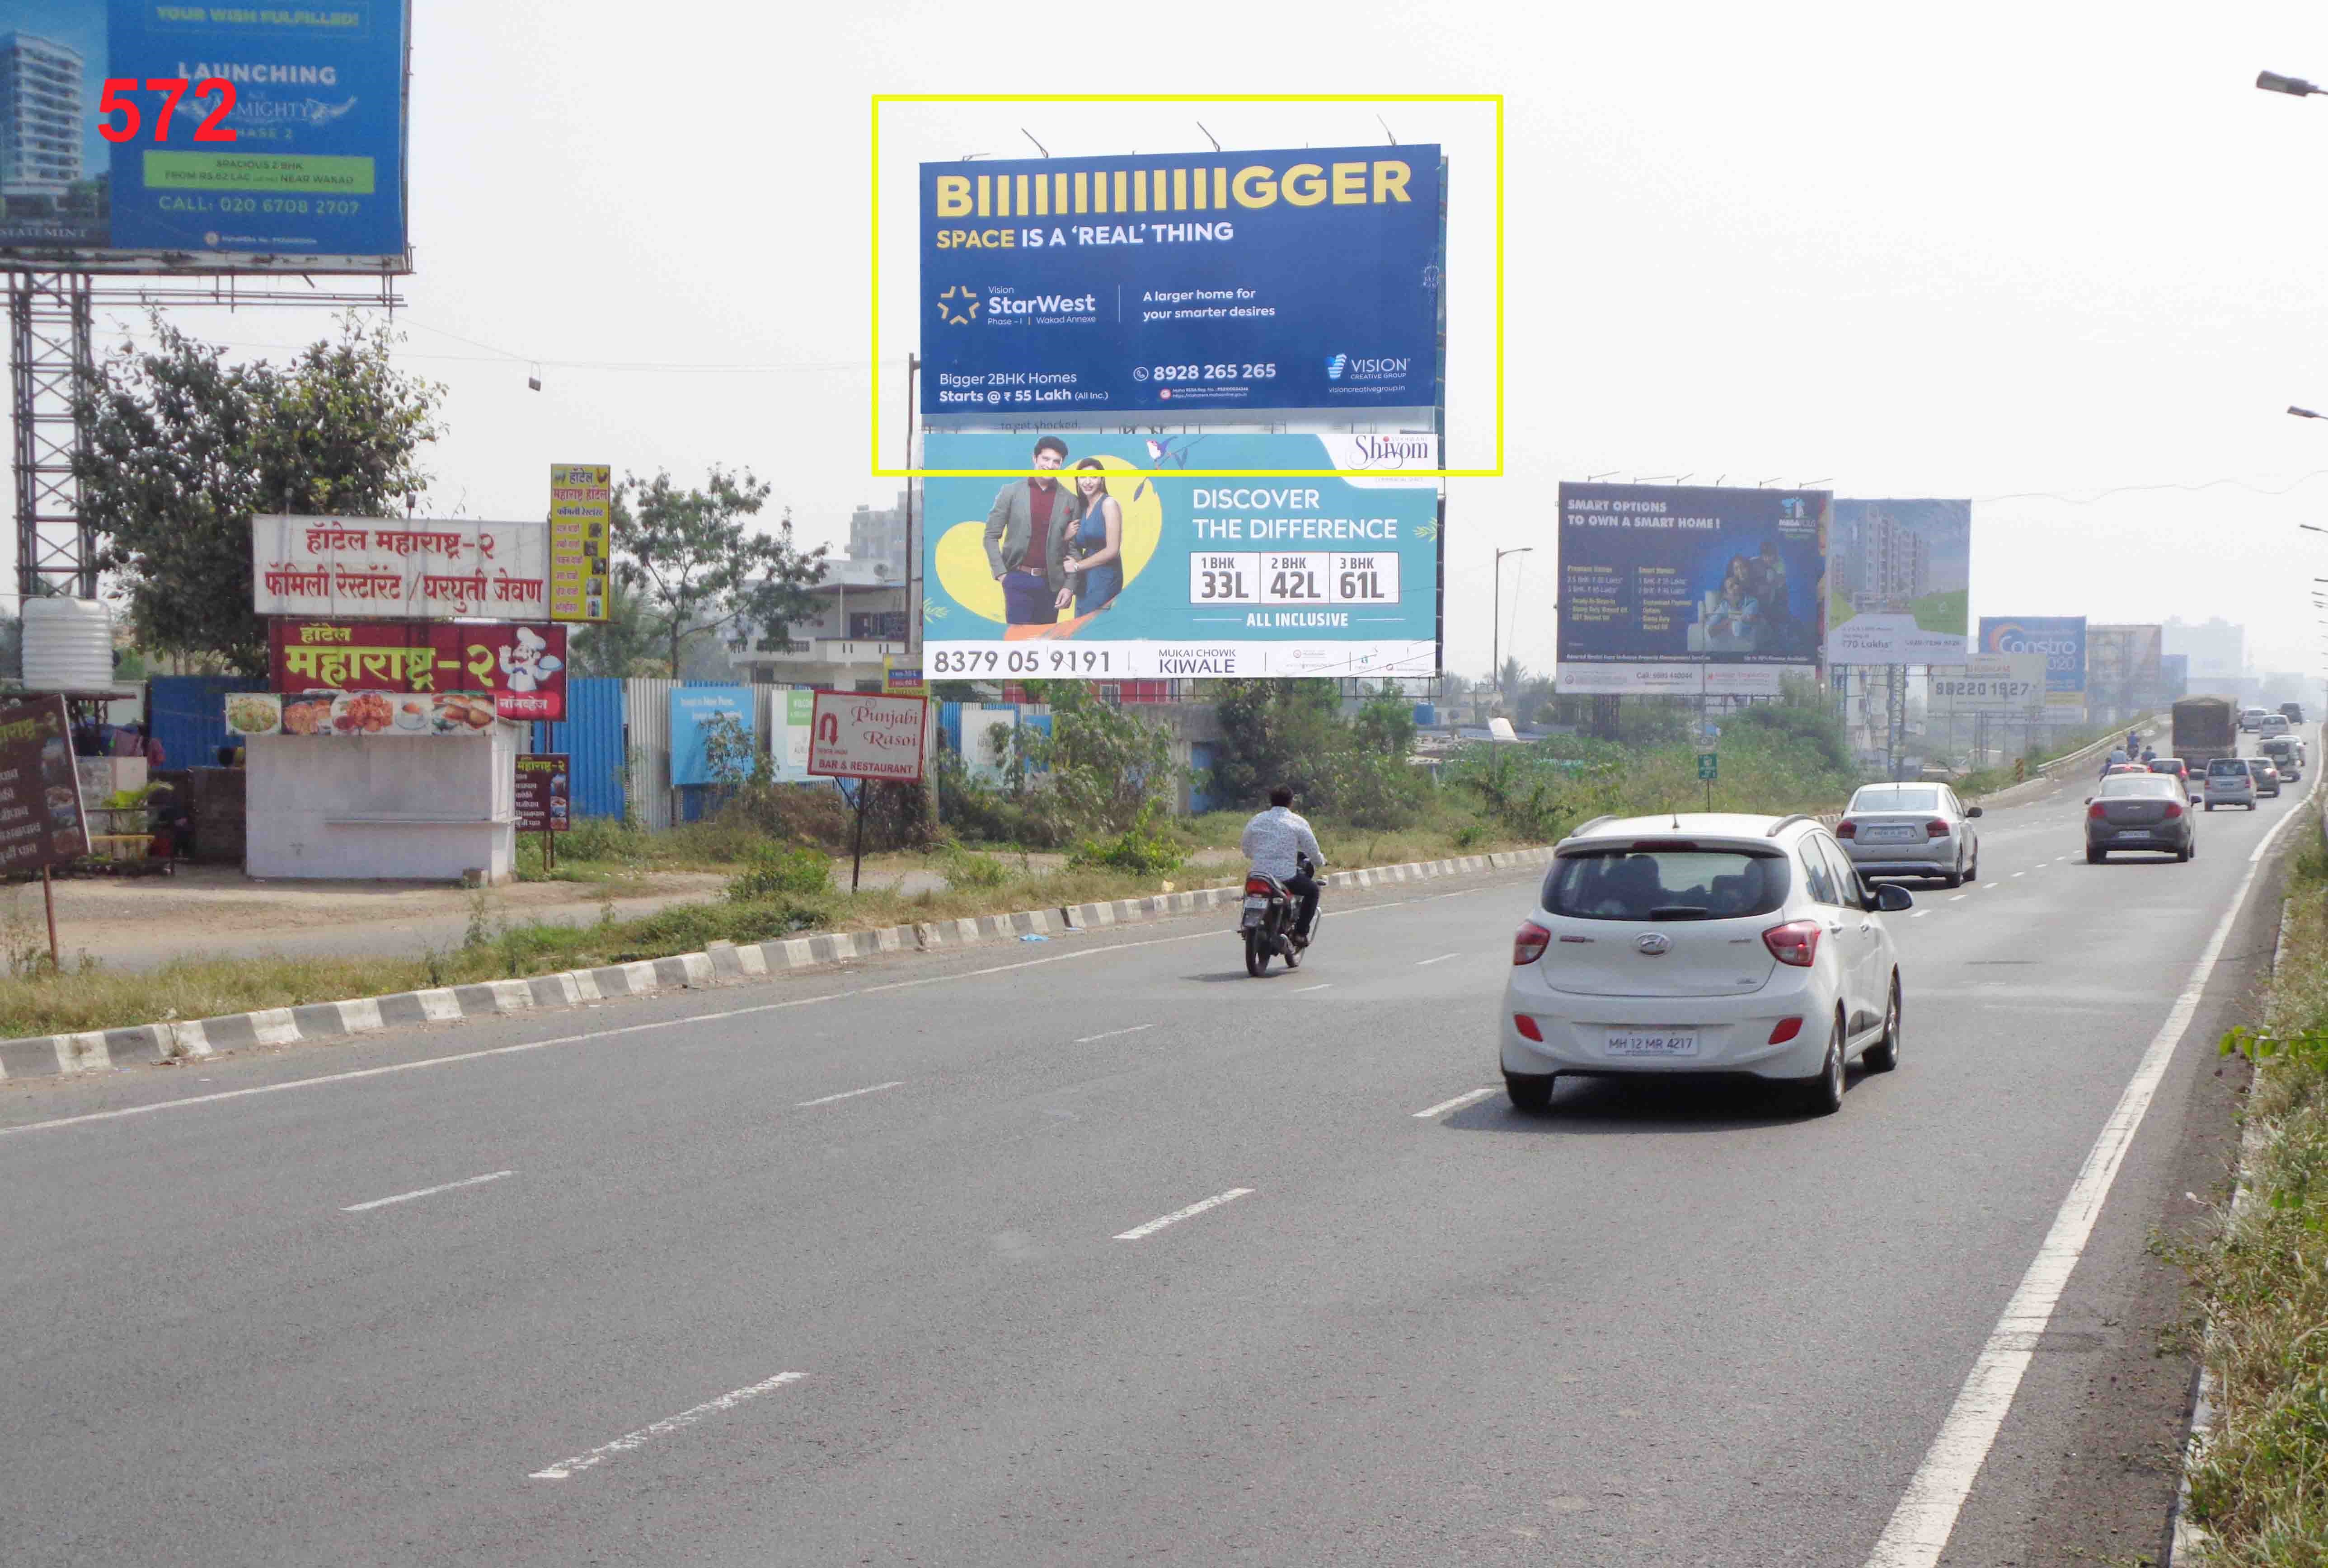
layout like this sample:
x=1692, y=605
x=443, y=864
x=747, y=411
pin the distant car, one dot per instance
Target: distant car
x=1703, y=943
x=2146, y=813
x=2292, y=712
x=2117, y=768
x=2273, y=725
x=2229, y=783
x=2176, y=768
x=2249, y=718
x=1911, y=830
x=2286, y=755
x=2266, y=776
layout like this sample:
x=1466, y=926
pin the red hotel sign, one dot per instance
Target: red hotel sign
x=524, y=666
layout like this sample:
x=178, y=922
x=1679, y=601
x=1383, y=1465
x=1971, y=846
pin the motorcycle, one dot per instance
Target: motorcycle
x=1270, y=914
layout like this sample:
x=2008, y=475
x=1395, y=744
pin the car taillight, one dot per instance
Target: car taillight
x=1527, y=1026
x=1795, y=943
x=1846, y=829
x=1936, y=828
x=1785, y=1030
x=2173, y=809
x=2096, y=812
x=1529, y=943
x=1258, y=884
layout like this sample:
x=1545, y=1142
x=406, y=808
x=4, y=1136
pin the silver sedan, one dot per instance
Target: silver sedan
x=1911, y=830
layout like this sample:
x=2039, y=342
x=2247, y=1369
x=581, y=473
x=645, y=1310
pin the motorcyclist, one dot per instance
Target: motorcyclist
x=1274, y=841
x=2117, y=756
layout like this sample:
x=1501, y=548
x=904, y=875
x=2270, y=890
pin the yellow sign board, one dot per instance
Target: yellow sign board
x=581, y=503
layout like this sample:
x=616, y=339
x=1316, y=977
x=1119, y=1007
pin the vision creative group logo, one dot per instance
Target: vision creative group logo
x=958, y=306
x=1335, y=365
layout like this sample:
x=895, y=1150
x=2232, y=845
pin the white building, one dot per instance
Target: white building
x=861, y=617
x=40, y=116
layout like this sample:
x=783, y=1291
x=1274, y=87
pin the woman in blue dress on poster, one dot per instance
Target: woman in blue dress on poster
x=1097, y=558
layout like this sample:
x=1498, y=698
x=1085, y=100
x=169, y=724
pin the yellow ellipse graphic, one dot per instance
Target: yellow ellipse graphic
x=964, y=572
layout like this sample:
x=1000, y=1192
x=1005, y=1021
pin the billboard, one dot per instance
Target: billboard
x=867, y=735
x=1992, y=683
x=2124, y=667
x=142, y=136
x=545, y=792
x=1898, y=575
x=400, y=568
x=41, y=821
x=2062, y=639
x=1142, y=573
x=1182, y=283
x=523, y=667
x=1685, y=590
x=581, y=503
x=691, y=709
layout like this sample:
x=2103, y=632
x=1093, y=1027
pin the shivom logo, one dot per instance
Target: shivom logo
x=1335, y=364
x=1395, y=449
x=958, y=306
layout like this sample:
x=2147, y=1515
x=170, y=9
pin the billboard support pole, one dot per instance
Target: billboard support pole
x=49, y=336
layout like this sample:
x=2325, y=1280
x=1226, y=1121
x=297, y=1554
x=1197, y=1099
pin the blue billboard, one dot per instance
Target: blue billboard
x=142, y=135
x=2062, y=639
x=1123, y=568
x=692, y=710
x=1690, y=590
x=1183, y=283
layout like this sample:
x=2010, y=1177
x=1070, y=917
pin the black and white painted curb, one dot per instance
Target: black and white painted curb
x=100, y=1050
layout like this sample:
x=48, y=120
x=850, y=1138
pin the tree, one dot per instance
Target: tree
x=693, y=556
x=1274, y=732
x=184, y=448
x=628, y=643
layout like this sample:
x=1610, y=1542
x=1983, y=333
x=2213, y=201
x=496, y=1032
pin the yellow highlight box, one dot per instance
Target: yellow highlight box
x=1176, y=97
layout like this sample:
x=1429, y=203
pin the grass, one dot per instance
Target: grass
x=2261, y=1489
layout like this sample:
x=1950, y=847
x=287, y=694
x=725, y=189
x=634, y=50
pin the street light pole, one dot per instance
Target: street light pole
x=1496, y=642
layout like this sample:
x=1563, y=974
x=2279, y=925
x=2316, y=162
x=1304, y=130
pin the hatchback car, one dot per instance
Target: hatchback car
x=2139, y=814
x=2229, y=783
x=2286, y=755
x=1703, y=944
x=2252, y=718
x=2265, y=775
x=1911, y=830
x=2177, y=768
x=2273, y=725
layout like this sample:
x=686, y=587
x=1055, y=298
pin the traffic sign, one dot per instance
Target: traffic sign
x=1708, y=766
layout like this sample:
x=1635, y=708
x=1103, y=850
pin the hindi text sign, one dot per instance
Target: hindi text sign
x=40, y=822
x=523, y=666
x=581, y=502
x=400, y=568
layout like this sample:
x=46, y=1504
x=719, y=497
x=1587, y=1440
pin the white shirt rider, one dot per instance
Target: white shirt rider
x=1273, y=837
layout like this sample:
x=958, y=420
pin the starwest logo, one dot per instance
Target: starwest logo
x=958, y=306
x=1335, y=364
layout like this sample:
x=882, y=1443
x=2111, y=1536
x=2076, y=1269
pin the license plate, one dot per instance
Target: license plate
x=1640, y=1043
x=1256, y=901
x=1891, y=834
x=2133, y=833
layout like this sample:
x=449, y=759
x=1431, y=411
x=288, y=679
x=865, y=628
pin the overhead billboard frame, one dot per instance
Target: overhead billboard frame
x=910, y=472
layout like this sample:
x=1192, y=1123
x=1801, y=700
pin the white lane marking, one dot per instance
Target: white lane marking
x=1111, y=1033
x=1426, y=963
x=1988, y=886
x=1178, y=1215
x=1919, y=914
x=320, y=1080
x=2020, y=873
x=426, y=1192
x=1960, y=898
x=566, y=1468
x=1926, y=1515
x=1457, y=1103
x=1319, y=986
x=850, y=1094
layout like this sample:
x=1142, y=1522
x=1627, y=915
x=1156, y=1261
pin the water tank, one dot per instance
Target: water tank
x=1426, y=717
x=67, y=645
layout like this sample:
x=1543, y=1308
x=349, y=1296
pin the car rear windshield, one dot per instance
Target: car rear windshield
x=2222, y=765
x=2167, y=765
x=1665, y=884
x=1896, y=798
x=2148, y=784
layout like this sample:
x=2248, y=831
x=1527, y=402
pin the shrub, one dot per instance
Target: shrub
x=773, y=871
x=963, y=869
x=1142, y=849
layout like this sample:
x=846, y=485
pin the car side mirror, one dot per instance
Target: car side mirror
x=2089, y=800
x=1972, y=811
x=1891, y=898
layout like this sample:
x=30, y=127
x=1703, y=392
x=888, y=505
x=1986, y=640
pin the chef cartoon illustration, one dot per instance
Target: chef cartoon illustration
x=530, y=664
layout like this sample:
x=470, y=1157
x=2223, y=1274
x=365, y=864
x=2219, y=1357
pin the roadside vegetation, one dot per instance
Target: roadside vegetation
x=2261, y=1487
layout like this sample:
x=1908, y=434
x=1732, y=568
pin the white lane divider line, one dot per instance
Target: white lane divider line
x=1111, y=1033
x=1919, y=914
x=566, y=1468
x=2020, y=873
x=1988, y=887
x=1178, y=1215
x=1426, y=963
x=1921, y=1526
x=426, y=1192
x=851, y=1094
x=1457, y=1103
x=1960, y=898
x=1321, y=986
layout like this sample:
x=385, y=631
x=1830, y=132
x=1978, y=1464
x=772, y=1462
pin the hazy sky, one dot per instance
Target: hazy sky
x=2060, y=259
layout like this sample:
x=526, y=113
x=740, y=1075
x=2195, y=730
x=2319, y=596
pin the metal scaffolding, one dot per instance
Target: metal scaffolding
x=49, y=315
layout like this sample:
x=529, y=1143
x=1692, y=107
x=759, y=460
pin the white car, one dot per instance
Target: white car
x=1703, y=943
x=2272, y=724
x=1911, y=830
x=2252, y=718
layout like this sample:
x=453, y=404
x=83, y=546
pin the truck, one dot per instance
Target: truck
x=2205, y=728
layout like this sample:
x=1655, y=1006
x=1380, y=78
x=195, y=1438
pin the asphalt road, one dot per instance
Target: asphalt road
x=1663, y=1325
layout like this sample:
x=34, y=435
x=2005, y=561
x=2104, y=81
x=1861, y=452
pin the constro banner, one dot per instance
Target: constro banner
x=2062, y=639
x=1135, y=572
x=1181, y=282
x=1684, y=591
x=1992, y=683
x=144, y=136
x=1899, y=574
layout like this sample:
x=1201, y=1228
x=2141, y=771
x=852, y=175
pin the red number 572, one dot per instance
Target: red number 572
x=172, y=89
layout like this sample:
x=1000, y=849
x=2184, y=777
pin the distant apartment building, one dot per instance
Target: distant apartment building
x=1891, y=566
x=40, y=124
x=878, y=535
x=2218, y=650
